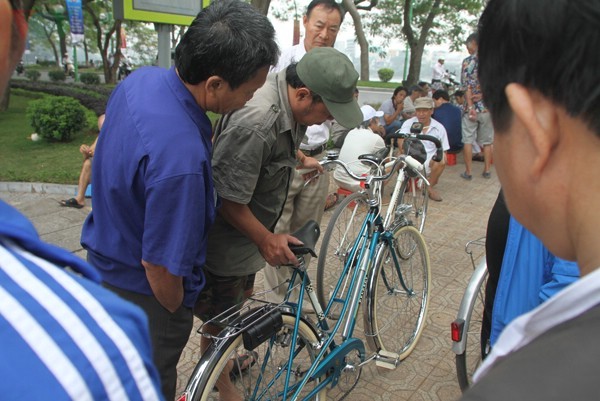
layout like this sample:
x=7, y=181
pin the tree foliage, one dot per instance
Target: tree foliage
x=429, y=22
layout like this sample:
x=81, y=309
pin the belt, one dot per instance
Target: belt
x=313, y=152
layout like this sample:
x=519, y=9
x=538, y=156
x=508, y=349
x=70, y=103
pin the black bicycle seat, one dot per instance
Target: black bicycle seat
x=309, y=235
x=370, y=158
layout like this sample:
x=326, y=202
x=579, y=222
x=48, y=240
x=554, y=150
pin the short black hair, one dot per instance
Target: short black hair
x=293, y=79
x=328, y=4
x=550, y=46
x=229, y=38
x=415, y=88
x=399, y=89
x=459, y=93
x=440, y=93
x=474, y=37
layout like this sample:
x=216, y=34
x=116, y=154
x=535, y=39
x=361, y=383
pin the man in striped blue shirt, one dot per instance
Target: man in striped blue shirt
x=62, y=336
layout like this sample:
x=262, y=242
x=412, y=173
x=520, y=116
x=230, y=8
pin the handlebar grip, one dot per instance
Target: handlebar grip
x=439, y=154
x=396, y=135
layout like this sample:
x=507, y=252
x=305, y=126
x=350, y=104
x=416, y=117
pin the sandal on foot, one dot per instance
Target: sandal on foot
x=71, y=203
x=486, y=174
x=242, y=363
x=466, y=176
x=331, y=201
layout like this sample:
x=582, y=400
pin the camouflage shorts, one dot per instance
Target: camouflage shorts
x=221, y=293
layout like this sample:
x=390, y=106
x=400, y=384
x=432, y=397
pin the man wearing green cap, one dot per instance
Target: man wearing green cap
x=255, y=151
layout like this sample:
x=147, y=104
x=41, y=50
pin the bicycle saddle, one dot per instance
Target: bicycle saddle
x=370, y=158
x=309, y=235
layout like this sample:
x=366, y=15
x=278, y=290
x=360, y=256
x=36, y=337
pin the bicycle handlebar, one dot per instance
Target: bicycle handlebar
x=411, y=162
x=415, y=132
x=439, y=152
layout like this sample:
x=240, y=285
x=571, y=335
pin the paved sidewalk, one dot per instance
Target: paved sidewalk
x=428, y=374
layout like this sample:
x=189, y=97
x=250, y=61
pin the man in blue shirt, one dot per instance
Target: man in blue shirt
x=450, y=117
x=63, y=336
x=153, y=189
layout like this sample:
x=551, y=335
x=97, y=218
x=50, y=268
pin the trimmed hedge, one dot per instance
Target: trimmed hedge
x=385, y=74
x=56, y=118
x=57, y=75
x=93, y=97
x=89, y=78
x=33, y=75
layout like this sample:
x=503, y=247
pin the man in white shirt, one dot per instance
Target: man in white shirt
x=438, y=73
x=424, y=111
x=529, y=71
x=322, y=23
x=365, y=139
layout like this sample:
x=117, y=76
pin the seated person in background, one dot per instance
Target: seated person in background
x=424, y=111
x=85, y=177
x=392, y=111
x=450, y=117
x=414, y=93
x=426, y=88
x=366, y=139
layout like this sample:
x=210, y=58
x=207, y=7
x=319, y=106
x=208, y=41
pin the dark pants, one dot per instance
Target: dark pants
x=495, y=245
x=169, y=333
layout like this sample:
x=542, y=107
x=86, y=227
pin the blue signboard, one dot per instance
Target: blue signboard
x=75, y=19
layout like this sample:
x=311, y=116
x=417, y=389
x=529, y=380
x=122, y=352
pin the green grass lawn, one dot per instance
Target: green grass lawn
x=21, y=159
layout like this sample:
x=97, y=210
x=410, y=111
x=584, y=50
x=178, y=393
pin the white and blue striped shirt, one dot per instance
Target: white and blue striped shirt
x=62, y=336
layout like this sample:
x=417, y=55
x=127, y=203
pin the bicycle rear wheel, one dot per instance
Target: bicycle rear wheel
x=469, y=357
x=414, y=193
x=266, y=378
x=338, y=240
x=398, y=292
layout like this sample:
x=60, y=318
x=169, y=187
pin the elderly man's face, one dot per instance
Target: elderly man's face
x=321, y=28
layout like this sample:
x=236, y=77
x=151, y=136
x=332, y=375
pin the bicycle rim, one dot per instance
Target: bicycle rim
x=418, y=199
x=338, y=240
x=265, y=379
x=395, y=315
x=468, y=362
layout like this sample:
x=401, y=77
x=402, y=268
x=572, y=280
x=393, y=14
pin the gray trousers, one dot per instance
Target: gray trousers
x=303, y=203
x=169, y=333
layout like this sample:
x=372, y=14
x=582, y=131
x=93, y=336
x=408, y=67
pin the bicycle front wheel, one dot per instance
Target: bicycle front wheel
x=414, y=193
x=398, y=292
x=338, y=240
x=265, y=379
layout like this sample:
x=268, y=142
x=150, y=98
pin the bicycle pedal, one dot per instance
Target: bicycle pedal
x=387, y=360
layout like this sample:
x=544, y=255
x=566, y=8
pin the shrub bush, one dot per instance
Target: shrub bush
x=56, y=118
x=89, y=78
x=57, y=75
x=33, y=75
x=94, y=97
x=385, y=74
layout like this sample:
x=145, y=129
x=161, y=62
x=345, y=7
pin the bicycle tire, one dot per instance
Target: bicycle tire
x=394, y=319
x=340, y=235
x=273, y=356
x=419, y=201
x=469, y=360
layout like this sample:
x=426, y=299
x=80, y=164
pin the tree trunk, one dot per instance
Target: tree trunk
x=262, y=5
x=360, y=37
x=417, y=45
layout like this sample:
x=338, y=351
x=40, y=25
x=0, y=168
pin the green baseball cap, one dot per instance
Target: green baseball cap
x=331, y=75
